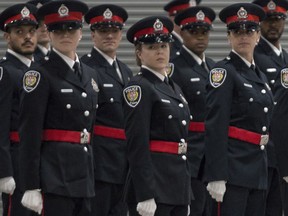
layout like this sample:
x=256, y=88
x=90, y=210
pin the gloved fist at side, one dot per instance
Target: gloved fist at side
x=7, y=185
x=32, y=199
x=217, y=190
x=147, y=207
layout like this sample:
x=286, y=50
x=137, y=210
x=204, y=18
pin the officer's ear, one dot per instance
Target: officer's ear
x=7, y=36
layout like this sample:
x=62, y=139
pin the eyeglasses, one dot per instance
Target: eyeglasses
x=243, y=32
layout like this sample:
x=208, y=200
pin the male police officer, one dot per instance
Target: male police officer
x=19, y=25
x=271, y=59
x=43, y=41
x=106, y=23
x=58, y=107
x=173, y=7
x=190, y=72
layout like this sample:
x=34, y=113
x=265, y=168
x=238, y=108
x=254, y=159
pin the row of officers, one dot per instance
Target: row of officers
x=184, y=136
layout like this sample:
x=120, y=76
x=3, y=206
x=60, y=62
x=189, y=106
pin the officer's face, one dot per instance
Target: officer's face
x=272, y=28
x=196, y=40
x=22, y=39
x=107, y=40
x=155, y=56
x=42, y=34
x=66, y=41
x=243, y=41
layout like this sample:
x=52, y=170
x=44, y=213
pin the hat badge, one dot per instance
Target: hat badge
x=271, y=5
x=63, y=11
x=25, y=12
x=107, y=14
x=158, y=25
x=242, y=13
x=200, y=16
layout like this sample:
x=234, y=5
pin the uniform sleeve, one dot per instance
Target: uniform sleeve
x=6, y=96
x=33, y=102
x=137, y=128
x=218, y=110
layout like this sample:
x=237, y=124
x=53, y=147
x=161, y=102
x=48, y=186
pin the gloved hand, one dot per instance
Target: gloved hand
x=285, y=179
x=147, y=207
x=32, y=199
x=217, y=190
x=7, y=185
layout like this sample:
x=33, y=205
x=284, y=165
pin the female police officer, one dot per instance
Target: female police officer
x=57, y=112
x=157, y=119
x=239, y=107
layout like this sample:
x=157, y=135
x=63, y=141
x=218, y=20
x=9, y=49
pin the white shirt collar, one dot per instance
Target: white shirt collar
x=246, y=62
x=108, y=58
x=197, y=59
x=68, y=60
x=159, y=75
x=43, y=49
x=275, y=49
x=21, y=58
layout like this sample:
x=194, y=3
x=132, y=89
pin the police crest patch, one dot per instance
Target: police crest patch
x=284, y=77
x=170, y=69
x=217, y=77
x=31, y=80
x=1, y=73
x=132, y=95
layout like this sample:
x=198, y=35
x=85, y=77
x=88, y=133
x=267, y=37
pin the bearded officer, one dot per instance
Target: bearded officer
x=19, y=25
x=58, y=106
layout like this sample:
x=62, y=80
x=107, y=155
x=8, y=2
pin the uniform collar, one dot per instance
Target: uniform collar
x=177, y=36
x=275, y=49
x=108, y=58
x=21, y=58
x=243, y=59
x=68, y=60
x=159, y=75
x=197, y=59
x=43, y=49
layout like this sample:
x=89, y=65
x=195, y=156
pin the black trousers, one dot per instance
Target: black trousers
x=200, y=205
x=241, y=201
x=162, y=210
x=108, y=200
x=274, y=201
x=55, y=205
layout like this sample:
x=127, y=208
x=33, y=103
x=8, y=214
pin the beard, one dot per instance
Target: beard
x=23, y=51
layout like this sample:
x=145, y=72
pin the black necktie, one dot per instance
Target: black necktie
x=252, y=67
x=77, y=69
x=115, y=65
x=203, y=65
x=166, y=80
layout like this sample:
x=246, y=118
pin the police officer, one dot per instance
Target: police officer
x=239, y=108
x=157, y=118
x=19, y=25
x=272, y=58
x=190, y=72
x=106, y=22
x=172, y=8
x=58, y=106
x=43, y=41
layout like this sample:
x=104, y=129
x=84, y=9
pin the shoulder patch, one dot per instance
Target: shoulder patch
x=31, y=80
x=132, y=95
x=217, y=77
x=284, y=77
x=170, y=69
x=1, y=73
x=94, y=85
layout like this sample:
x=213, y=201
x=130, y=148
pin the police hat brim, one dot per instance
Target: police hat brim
x=197, y=25
x=247, y=25
x=67, y=25
x=155, y=38
x=109, y=24
x=20, y=23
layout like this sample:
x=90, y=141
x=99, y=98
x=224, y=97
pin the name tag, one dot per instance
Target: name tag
x=197, y=79
x=66, y=90
x=165, y=101
x=107, y=85
x=247, y=85
x=271, y=70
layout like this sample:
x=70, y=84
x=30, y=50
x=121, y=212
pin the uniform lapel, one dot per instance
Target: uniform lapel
x=269, y=51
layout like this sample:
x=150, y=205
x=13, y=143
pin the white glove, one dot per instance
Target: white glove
x=32, y=199
x=7, y=185
x=285, y=179
x=217, y=190
x=188, y=212
x=147, y=207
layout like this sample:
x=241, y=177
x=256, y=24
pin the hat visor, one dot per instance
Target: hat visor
x=155, y=38
x=248, y=25
x=277, y=15
x=197, y=25
x=109, y=24
x=66, y=25
x=21, y=22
